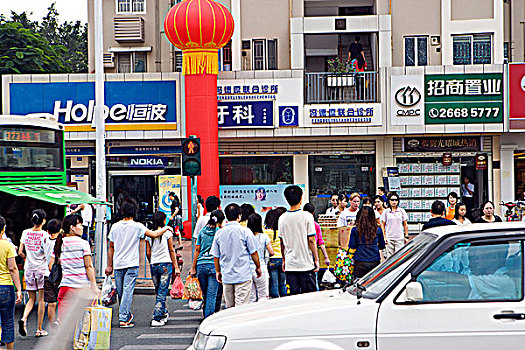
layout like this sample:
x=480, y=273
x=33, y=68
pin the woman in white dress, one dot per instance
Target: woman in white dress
x=460, y=212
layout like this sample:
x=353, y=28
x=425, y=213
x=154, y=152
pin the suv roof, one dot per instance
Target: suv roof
x=454, y=229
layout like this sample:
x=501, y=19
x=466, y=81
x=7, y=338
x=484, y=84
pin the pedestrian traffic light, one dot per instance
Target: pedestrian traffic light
x=191, y=157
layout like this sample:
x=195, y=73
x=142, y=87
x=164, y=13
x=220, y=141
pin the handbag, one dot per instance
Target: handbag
x=55, y=276
x=344, y=261
x=93, y=331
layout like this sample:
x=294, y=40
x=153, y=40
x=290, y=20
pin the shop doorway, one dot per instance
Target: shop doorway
x=139, y=188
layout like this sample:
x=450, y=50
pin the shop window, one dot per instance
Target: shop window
x=131, y=62
x=255, y=170
x=340, y=173
x=472, y=49
x=131, y=6
x=416, y=51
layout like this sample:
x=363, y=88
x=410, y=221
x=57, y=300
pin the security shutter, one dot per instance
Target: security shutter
x=287, y=147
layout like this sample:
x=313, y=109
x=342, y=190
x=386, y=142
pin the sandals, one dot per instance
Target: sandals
x=41, y=333
x=22, y=328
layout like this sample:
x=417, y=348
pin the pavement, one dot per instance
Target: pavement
x=178, y=333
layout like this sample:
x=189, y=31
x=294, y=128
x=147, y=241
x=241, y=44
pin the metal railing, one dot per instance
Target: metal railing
x=340, y=87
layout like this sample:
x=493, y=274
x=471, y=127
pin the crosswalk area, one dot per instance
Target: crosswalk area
x=178, y=332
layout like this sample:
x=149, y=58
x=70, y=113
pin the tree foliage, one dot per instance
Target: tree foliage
x=47, y=46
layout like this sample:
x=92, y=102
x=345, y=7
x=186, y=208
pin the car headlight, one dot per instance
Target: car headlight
x=208, y=342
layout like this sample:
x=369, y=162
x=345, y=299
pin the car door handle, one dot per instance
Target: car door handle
x=509, y=316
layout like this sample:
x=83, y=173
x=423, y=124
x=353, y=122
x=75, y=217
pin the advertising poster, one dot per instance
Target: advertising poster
x=167, y=184
x=262, y=197
x=517, y=96
x=408, y=100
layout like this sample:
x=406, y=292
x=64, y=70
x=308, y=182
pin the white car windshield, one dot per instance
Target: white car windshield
x=380, y=278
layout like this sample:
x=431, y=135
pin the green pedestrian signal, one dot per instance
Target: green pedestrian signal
x=191, y=157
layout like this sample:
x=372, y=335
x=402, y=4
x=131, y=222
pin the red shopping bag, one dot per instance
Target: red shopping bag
x=177, y=289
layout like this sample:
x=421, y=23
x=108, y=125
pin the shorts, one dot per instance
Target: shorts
x=50, y=291
x=34, y=279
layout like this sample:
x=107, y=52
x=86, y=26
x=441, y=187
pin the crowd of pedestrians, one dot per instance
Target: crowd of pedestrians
x=239, y=256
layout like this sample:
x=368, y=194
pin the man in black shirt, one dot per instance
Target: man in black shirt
x=356, y=49
x=438, y=212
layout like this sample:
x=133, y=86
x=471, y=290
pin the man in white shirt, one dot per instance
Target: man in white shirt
x=298, y=246
x=467, y=194
x=212, y=203
x=348, y=216
x=124, y=259
x=86, y=211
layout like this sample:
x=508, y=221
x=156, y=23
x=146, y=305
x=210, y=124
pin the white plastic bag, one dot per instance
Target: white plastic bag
x=108, y=296
x=328, y=277
x=195, y=304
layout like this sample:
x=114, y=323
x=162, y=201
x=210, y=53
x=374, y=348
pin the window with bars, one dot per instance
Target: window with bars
x=258, y=55
x=472, y=49
x=131, y=62
x=416, y=50
x=131, y=6
x=225, y=57
x=272, y=53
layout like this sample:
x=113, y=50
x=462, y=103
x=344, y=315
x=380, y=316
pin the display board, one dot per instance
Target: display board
x=422, y=184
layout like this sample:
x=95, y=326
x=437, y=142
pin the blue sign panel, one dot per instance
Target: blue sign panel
x=245, y=114
x=125, y=150
x=126, y=102
x=288, y=116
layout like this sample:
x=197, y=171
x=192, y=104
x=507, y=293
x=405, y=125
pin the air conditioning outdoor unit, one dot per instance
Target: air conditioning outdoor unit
x=246, y=60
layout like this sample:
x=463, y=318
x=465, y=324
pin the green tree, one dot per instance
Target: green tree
x=24, y=51
x=64, y=45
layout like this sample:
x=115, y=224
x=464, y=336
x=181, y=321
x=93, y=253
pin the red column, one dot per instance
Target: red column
x=201, y=121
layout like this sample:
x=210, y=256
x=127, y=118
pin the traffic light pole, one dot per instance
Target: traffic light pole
x=193, y=180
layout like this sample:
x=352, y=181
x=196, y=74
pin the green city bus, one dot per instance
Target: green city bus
x=33, y=171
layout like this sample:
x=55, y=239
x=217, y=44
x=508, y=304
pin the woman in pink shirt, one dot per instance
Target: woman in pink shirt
x=309, y=207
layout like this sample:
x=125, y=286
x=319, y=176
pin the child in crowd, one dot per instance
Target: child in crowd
x=51, y=289
x=260, y=286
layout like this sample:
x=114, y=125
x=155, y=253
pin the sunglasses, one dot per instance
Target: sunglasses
x=394, y=200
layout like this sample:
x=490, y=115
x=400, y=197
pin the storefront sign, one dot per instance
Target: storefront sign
x=129, y=105
x=167, y=184
x=288, y=116
x=245, y=114
x=262, y=197
x=247, y=92
x=393, y=179
x=80, y=151
x=147, y=162
x=359, y=114
x=447, y=159
x=440, y=144
x=482, y=161
x=407, y=101
x=126, y=150
x=464, y=98
x=517, y=96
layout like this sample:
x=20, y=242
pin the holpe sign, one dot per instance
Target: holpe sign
x=126, y=103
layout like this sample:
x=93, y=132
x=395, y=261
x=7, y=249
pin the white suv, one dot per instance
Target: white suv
x=453, y=287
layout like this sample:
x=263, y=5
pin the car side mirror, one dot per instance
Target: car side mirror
x=414, y=292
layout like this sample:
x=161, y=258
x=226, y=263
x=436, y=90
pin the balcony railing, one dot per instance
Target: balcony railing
x=340, y=87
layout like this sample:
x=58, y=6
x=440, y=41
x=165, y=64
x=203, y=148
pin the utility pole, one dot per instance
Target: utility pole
x=100, y=144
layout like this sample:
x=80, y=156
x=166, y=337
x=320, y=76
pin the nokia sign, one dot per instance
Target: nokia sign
x=148, y=162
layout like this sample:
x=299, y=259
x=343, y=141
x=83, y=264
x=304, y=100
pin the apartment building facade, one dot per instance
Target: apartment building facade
x=285, y=116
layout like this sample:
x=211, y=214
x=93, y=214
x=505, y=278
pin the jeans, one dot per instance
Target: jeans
x=211, y=289
x=7, y=313
x=161, y=276
x=361, y=268
x=125, y=281
x=277, y=278
x=301, y=282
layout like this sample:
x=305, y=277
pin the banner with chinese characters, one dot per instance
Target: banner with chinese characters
x=442, y=144
x=358, y=114
x=464, y=98
x=167, y=184
x=245, y=114
x=262, y=197
x=253, y=103
x=129, y=105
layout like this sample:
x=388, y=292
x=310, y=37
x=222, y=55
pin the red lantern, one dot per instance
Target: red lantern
x=199, y=28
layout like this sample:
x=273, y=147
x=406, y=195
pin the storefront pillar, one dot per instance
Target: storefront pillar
x=300, y=174
x=507, y=187
x=384, y=158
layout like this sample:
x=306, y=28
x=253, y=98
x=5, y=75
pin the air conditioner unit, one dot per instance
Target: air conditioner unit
x=434, y=40
x=246, y=60
x=109, y=60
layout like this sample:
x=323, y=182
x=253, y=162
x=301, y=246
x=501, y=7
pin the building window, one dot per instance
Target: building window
x=258, y=55
x=131, y=6
x=272, y=53
x=178, y=61
x=472, y=49
x=225, y=57
x=416, y=51
x=255, y=170
x=131, y=62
